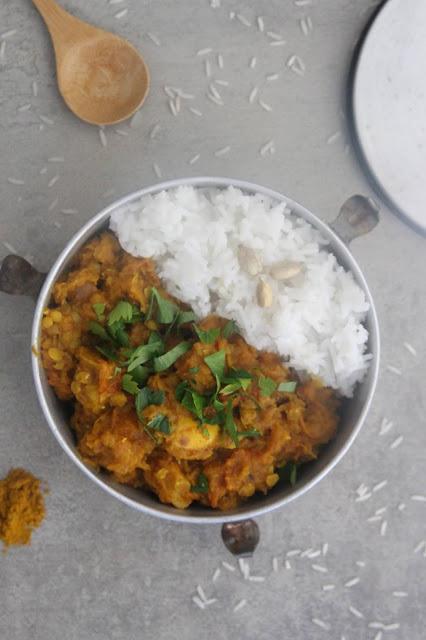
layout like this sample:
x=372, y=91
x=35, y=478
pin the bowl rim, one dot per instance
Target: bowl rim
x=69, y=249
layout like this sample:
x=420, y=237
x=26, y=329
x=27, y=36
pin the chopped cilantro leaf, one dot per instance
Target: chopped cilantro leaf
x=287, y=387
x=161, y=363
x=159, y=423
x=267, y=386
x=202, y=485
x=99, y=309
x=230, y=427
x=129, y=385
x=229, y=329
x=122, y=311
x=207, y=337
x=216, y=364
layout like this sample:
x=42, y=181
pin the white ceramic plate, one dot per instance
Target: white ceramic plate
x=389, y=106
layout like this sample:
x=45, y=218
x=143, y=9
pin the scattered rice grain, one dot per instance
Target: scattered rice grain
x=214, y=92
x=287, y=565
x=201, y=593
x=204, y=52
x=272, y=76
x=396, y=442
x=52, y=181
x=379, y=635
x=275, y=564
x=364, y=497
x=325, y=548
x=53, y=204
x=195, y=111
x=216, y=575
x=400, y=594
x=239, y=605
x=194, y=159
x=418, y=498
x=43, y=171
x=222, y=83
x=155, y=129
x=383, y=527
x=273, y=35
x=266, y=147
x=256, y=578
x=16, y=181
x=25, y=107
x=253, y=62
x=121, y=14
x=243, y=20
x=380, y=485
x=56, y=159
x=153, y=38
x=292, y=553
x=220, y=61
x=260, y=24
x=277, y=43
x=321, y=623
x=103, y=138
x=385, y=426
x=328, y=587
x=69, y=212
x=7, y=34
x=207, y=68
x=212, y=98
x=360, y=563
x=198, y=602
x=410, y=348
x=172, y=106
x=356, y=612
x=253, y=94
x=46, y=120
x=420, y=546
x=320, y=568
x=391, y=627
x=222, y=152
x=157, y=170
x=334, y=136
x=265, y=106
x=394, y=370
x=352, y=582
x=228, y=566
x=401, y=506
x=122, y=132
x=9, y=247
x=35, y=88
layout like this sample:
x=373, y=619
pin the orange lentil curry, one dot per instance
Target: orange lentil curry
x=167, y=402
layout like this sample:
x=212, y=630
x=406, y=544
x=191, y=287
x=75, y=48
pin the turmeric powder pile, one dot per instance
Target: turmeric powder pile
x=21, y=507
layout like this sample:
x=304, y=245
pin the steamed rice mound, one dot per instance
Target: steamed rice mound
x=194, y=236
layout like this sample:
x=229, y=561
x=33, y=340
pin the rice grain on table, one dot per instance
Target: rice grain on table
x=198, y=602
x=410, y=348
x=396, y=442
x=394, y=370
x=24, y=107
x=355, y=612
x=277, y=43
x=157, y=170
x=53, y=204
x=203, y=52
x=201, y=593
x=3, y=50
x=321, y=624
x=222, y=83
x=7, y=34
x=69, y=212
x=194, y=159
x=16, y=181
x=352, y=582
x=52, y=181
x=222, y=152
x=380, y=485
x=154, y=131
x=243, y=20
x=253, y=62
x=266, y=147
x=216, y=575
x=260, y=24
x=379, y=512
x=378, y=636
x=383, y=528
x=214, y=91
x=213, y=98
x=385, y=426
x=153, y=38
x=172, y=107
x=207, y=68
x=9, y=247
x=46, y=120
x=360, y=563
x=253, y=94
x=35, y=88
x=265, y=106
x=272, y=76
x=103, y=138
x=400, y=594
x=420, y=546
x=292, y=553
x=274, y=36
x=121, y=132
x=334, y=136
x=177, y=103
x=196, y=112
x=418, y=498
x=55, y=159
x=220, y=61
x=239, y=605
x=364, y=497
x=272, y=229
x=275, y=564
x=401, y=506
x=287, y=565
x=228, y=567
x=325, y=548
x=121, y=14
x=328, y=587
x=256, y=578
x=320, y=568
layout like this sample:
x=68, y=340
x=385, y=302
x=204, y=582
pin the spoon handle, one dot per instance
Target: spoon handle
x=64, y=28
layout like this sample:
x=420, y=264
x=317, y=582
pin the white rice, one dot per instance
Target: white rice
x=316, y=320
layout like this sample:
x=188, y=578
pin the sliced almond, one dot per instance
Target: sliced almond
x=264, y=294
x=285, y=270
x=249, y=260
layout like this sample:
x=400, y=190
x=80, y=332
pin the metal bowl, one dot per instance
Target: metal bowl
x=357, y=216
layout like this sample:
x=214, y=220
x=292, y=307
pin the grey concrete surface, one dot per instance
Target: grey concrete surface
x=97, y=570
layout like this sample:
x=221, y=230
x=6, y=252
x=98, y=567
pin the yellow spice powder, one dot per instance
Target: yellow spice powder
x=21, y=507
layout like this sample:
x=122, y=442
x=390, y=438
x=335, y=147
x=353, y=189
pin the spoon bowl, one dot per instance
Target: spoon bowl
x=102, y=78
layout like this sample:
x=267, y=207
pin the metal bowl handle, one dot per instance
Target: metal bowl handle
x=358, y=216
x=19, y=278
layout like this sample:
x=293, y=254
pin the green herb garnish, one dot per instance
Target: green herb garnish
x=202, y=485
x=166, y=310
x=129, y=385
x=99, y=309
x=107, y=352
x=267, y=386
x=145, y=352
x=184, y=317
x=123, y=311
x=98, y=330
x=207, y=337
x=229, y=329
x=216, y=364
x=230, y=427
x=230, y=388
x=159, y=423
x=293, y=474
x=141, y=374
x=145, y=397
x=119, y=334
x=161, y=363
x=287, y=387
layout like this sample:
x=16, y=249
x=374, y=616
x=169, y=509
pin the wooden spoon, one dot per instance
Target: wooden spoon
x=102, y=78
